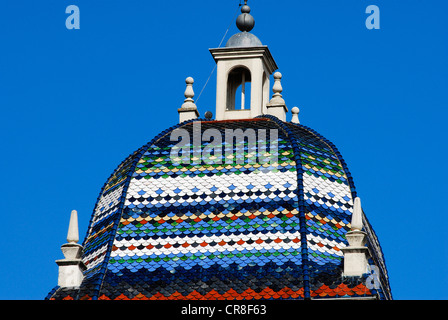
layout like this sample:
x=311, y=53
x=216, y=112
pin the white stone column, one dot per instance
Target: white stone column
x=356, y=254
x=256, y=89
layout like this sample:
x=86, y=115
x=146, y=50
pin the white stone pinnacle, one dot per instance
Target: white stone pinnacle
x=71, y=267
x=277, y=106
x=356, y=253
x=277, y=88
x=188, y=110
x=295, y=115
x=189, y=93
x=73, y=233
x=356, y=223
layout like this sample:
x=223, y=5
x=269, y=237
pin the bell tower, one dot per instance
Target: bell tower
x=244, y=67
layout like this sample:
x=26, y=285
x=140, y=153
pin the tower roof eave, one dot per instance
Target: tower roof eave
x=246, y=52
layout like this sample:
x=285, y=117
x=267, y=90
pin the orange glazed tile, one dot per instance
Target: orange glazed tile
x=67, y=298
x=267, y=293
x=285, y=293
x=140, y=297
x=249, y=293
x=157, y=296
x=221, y=297
x=296, y=240
x=333, y=293
x=256, y=295
x=361, y=289
x=176, y=294
x=193, y=295
x=297, y=294
x=239, y=297
x=210, y=295
x=276, y=295
x=231, y=294
x=122, y=297
x=320, y=289
x=103, y=297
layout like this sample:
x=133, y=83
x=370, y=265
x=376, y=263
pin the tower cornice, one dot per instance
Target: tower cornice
x=262, y=52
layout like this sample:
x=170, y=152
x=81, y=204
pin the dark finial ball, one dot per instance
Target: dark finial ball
x=245, y=9
x=245, y=22
x=208, y=115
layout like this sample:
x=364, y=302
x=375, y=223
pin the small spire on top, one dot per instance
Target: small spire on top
x=295, y=115
x=189, y=93
x=356, y=254
x=245, y=22
x=73, y=234
x=277, y=106
x=356, y=223
x=188, y=110
x=71, y=268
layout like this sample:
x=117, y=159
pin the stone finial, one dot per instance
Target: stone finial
x=277, y=106
x=356, y=223
x=73, y=234
x=245, y=22
x=295, y=115
x=189, y=93
x=71, y=267
x=277, y=88
x=208, y=115
x=356, y=253
x=188, y=110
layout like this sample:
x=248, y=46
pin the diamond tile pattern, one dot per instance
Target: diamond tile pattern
x=228, y=230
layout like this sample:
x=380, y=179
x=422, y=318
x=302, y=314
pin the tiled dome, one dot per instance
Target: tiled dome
x=162, y=230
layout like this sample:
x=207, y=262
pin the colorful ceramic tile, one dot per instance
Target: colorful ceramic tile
x=163, y=229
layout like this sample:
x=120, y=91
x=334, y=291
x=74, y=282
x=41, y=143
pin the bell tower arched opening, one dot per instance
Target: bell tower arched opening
x=238, y=89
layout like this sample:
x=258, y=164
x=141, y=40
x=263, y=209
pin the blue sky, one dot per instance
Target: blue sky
x=75, y=103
